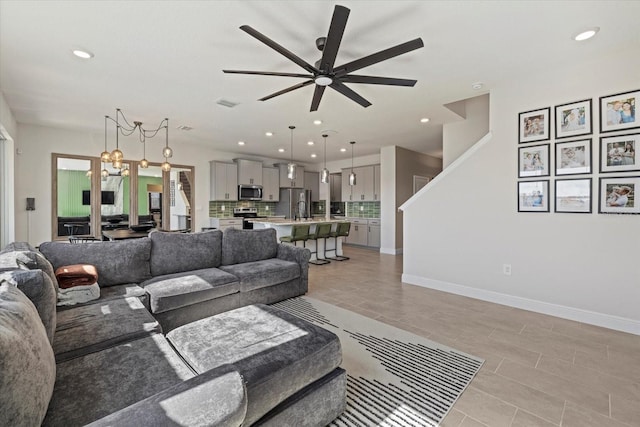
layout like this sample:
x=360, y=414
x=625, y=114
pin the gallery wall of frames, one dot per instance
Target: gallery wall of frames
x=567, y=161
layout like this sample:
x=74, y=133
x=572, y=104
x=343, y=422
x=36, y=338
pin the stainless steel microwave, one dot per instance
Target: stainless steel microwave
x=249, y=192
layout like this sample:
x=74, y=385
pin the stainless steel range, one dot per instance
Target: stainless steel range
x=247, y=214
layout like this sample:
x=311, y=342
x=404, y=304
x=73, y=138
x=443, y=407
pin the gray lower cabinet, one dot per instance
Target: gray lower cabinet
x=373, y=234
x=364, y=232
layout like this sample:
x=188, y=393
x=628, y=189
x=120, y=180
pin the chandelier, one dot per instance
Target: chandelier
x=125, y=128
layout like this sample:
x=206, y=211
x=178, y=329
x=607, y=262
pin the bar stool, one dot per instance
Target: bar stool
x=323, y=230
x=299, y=232
x=342, y=230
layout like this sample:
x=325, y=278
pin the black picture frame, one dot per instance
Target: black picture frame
x=534, y=161
x=573, y=157
x=619, y=153
x=609, y=115
x=573, y=195
x=533, y=196
x=534, y=125
x=573, y=119
x=626, y=187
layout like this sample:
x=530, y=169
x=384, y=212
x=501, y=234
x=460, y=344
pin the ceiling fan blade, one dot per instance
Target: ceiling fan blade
x=340, y=87
x=289, y=89
x=281, y=50
x=268, y=73
x=374, y=80
x=378, y=57
x=317, y=96
x=334, y=37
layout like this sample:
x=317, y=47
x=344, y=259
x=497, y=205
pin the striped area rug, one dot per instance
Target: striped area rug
x=394, y=378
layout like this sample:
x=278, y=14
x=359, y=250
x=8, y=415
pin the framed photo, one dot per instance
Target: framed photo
x=534, y=125
x=618, y=112
x=533, y=161
x=619, y=195
x=620, y=153
x=533, y=196
x=573, y=195
x=573, y=157
x=573, y=119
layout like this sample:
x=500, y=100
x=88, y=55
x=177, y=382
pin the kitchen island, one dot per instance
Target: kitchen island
x=283, y=228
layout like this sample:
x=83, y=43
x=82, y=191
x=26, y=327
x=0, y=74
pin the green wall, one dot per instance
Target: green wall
x=70, y=186
x=143, y=202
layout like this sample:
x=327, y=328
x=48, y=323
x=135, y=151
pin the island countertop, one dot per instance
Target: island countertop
x=284, y=222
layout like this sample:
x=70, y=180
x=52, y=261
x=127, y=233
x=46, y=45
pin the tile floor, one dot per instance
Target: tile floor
x=539, y=370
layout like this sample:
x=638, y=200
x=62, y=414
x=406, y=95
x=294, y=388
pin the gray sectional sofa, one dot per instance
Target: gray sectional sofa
x=179, y=336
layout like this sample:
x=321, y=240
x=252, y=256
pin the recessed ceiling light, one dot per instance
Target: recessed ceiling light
x=268, y=133
x=477, y=86
x=84, y=54
x=586, y=34
x=313, y=155
x=310, y=143
x=281, y=150
x=424, y=120
x=343, y=149
x=317, y=122
x=240, y=142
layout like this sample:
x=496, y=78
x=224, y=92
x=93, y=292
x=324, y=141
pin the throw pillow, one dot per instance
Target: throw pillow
x=69, y=276
x=27, y=362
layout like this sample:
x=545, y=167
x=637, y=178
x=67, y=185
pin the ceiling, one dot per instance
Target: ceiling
x=157, y=59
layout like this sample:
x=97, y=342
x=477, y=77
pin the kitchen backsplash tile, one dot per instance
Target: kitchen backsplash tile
x=363, y=209
x=216, y=208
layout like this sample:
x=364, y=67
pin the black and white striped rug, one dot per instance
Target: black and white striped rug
x=394, y=378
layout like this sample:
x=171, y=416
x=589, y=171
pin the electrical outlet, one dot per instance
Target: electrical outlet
x=266, y=208
x=222, y=208
x=506, y=269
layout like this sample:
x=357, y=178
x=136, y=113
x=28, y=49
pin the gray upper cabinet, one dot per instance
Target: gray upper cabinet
x=335, y=183
x=312, y=182
x=366, y=188
x=291, y=183
x=270, y=185
x=249, y=172
x=224, y=181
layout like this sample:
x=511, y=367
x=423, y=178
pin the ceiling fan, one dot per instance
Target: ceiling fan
x=323, y=73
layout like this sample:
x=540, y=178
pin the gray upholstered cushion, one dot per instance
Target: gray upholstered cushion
x=37, y=286
x=19, y=246
x=276, y=352
x=115, y=292
x=239, y=246
x=27, y=366
x=13, y=260
x=93, y=386
x=215, y=398
x=260, y=274
x=91, y=328
x=177, y=252
x=120, y=262
x=181, y=289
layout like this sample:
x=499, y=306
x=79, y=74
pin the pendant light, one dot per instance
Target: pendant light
x=144, y=163
x=324, y=173
x=117, y=155
x=105, y=156
x=166, y=152
x=352, y=175
x=291, y=167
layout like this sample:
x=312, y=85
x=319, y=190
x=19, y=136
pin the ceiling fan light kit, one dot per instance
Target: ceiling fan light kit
x=324, y=73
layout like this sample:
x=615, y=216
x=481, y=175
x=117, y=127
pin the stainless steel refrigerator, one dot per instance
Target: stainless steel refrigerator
x=294, y=203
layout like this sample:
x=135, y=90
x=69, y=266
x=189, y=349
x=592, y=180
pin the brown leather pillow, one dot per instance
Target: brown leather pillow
x=76, y=275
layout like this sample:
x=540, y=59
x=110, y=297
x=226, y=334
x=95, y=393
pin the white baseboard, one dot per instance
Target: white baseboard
x=591, y=317
x=391, y=251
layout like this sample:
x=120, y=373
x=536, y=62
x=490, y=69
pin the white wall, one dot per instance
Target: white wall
x=458, y=136
x=33, y=171
x=465, y=227
x=8, y=132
